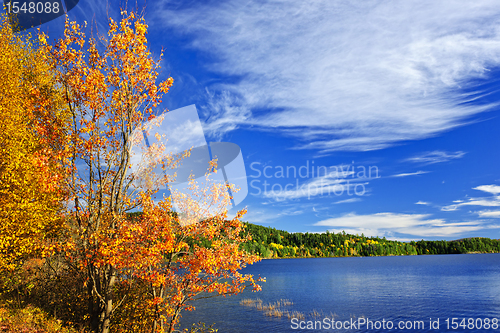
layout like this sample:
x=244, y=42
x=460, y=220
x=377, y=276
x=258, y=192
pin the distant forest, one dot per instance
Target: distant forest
x=272, y=243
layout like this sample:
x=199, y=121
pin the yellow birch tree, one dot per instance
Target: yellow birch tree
x=32, y=127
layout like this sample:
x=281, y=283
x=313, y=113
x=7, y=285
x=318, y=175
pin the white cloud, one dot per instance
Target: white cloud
x=382, y=224
x=358, y=231
x=485, y=202
x=348, y=201
x=492, y=201
x=260, y=216
x=406, y=240
x=489, y=213
x=493, y=189
x=329, y=185
x=224, y=114
x=274, y=212
x=421, y=203
x=436, y=156
x=342, y=75
x=291, y=212
x=410, y=174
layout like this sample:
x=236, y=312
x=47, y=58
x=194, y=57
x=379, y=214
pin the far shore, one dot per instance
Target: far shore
x=390, y=255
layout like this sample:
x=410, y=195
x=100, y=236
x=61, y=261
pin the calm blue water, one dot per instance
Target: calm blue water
x=396, y=289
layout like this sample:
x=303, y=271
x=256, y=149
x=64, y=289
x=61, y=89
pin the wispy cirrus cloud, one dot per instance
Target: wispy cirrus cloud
x=491, y=201
x=274, y=212
x=410, y=174
x=489, y=213
x=422, y=203
x=335, y=184
x=339, y=75
x=436, y=156
x=351, y=200
x=319, y=186
x=493, y=189
x=223, y=113
x=388, y=224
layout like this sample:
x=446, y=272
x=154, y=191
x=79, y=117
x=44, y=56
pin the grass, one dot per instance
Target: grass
x=295, y=314
x=274, y=309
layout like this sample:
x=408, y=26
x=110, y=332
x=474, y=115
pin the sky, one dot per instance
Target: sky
x=373, y=117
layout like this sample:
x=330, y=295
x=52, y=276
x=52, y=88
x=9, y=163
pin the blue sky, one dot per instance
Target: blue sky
x=405, y=89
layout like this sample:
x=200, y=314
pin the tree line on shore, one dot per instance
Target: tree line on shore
x=269, y=242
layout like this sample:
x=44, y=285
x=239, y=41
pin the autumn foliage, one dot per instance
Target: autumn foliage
x=92, y=263
x=32, y=121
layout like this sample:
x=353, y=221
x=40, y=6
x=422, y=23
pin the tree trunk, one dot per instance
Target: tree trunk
x=100, y=287
x=107, y=315
x=107, y=310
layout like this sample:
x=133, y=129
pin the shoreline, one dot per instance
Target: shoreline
x=390, y=255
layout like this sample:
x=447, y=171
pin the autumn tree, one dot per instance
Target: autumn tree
x=151, y=263
x=32, y=127
x=176, y=263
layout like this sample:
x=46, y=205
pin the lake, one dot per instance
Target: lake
x=334, y=293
